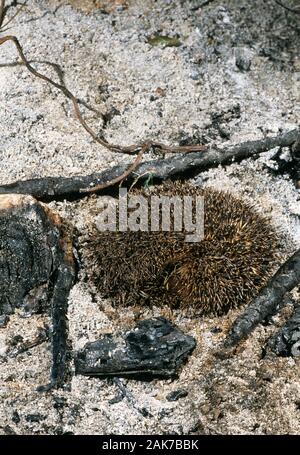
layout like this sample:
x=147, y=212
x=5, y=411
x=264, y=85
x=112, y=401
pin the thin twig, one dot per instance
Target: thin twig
x=129, y=397
x=42, y=336
x=2, y=12
x=295, y=11
x=67, y=93
x=3, y=27
x=132, y=149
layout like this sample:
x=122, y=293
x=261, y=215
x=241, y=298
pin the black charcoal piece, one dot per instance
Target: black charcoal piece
x=34, y=418
x=16, y=417
x=4, y=319
x=243, y=59
x=154, y=348
x=176, y=395
x=286, y=342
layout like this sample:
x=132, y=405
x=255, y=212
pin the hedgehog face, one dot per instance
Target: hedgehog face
x=224, y=270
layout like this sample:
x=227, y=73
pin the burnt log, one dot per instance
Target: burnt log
x=36, y=269
x=268, y=301
x=154, y=348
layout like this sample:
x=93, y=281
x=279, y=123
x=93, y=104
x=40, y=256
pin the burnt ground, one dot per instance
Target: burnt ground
x=227, y=72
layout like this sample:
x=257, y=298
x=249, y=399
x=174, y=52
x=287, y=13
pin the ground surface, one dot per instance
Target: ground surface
x=171, y=94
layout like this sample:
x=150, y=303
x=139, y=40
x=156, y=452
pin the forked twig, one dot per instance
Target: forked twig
x=2, y=12
x=124, y=175
x=3, y=26
x=295, y=11
x=68, y=94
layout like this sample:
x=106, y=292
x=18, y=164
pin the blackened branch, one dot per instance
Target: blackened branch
x=268, y=300
x=51, y=188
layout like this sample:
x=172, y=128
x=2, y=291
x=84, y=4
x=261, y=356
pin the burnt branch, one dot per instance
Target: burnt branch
x=51, y=188
x=268, y=300
x=64, y=280
x=287, y=8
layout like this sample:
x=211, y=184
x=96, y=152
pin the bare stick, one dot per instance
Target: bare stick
x=2, y=12
x=295, y=11
x=267, y=301
x=132, y=149
x=3, y=26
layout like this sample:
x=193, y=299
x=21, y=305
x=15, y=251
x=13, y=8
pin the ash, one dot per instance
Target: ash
x=233, y=75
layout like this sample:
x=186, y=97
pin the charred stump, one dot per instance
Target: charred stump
x=36, y=268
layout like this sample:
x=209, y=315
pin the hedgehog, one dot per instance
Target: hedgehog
x=224, y=270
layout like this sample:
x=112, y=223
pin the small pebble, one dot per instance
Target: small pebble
x=34, y=418
x=15, y=417
x=216, y=330
x=176, y=395
x=243, y=60
x=3, y=321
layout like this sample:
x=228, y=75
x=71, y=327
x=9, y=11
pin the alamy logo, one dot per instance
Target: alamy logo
x=152, y=214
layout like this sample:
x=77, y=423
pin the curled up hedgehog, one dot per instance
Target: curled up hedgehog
x=225, y=269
